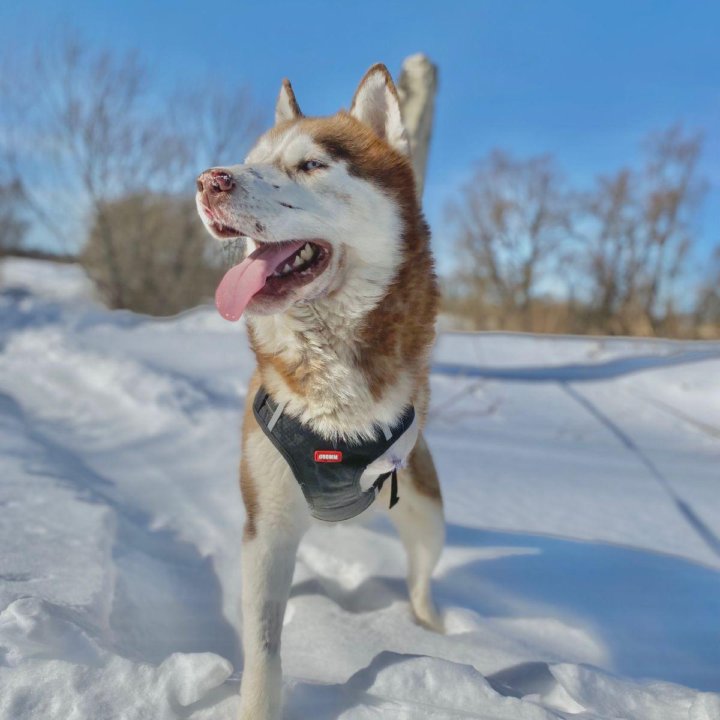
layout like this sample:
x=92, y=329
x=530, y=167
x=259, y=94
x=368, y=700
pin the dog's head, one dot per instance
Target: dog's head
x=324, y=203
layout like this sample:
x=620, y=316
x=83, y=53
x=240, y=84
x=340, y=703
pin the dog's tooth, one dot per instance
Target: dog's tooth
x=298, y=261
x=307, y=252
x=287, y=269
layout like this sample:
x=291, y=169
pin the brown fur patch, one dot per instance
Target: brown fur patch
x=248, y=488
x=422, y=470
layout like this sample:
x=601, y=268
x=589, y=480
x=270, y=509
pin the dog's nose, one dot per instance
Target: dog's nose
x=216, y=181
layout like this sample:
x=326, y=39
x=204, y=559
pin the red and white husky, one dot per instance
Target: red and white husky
x=340, y=296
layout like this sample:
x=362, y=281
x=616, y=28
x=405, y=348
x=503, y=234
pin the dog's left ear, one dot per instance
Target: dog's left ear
x=286, y=107
x=376, y=104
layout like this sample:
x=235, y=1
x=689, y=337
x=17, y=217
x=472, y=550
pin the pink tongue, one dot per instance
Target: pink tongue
x=248, y=278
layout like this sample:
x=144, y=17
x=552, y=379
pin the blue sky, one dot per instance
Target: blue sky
x=584, y=81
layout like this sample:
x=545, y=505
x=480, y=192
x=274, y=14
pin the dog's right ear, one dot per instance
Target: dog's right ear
x=286, y=107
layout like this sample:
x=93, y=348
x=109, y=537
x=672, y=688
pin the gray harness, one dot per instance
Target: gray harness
x=329, y=472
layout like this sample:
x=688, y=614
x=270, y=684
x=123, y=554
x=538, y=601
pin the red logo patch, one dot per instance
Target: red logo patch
x=328, y=456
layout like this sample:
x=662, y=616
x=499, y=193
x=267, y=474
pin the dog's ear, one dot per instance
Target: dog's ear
x=286, y=107
x=376, y=104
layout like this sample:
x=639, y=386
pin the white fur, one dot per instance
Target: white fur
x=285, y=110
x=268, y=561
x=421, y=526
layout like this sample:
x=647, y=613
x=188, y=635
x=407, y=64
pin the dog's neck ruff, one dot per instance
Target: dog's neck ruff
x=329, y=472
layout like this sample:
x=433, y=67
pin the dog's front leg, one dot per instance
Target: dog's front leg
x=268, y=560
x=277, y=519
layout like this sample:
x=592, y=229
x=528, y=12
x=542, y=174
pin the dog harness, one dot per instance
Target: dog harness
x=329, y=472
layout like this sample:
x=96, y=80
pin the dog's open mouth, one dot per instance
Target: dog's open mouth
x=271, y=271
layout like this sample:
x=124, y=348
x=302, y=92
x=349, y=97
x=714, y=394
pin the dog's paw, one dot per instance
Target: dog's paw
x=429, y=618
x=253, y=714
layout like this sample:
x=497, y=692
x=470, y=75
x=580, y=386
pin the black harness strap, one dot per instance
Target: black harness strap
x=394, y=497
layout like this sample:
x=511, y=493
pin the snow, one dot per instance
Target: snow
x=581, y=576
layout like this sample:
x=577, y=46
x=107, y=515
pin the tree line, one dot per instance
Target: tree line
x=100, y=163
x=537, y=254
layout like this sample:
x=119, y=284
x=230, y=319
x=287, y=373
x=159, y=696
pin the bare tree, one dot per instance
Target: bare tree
x=512, y=220
x=211, y=125
x=707, y=309
x=13, y=227
x=615, y=255
x=162, y=264
x=637, y=235
x=97, y=134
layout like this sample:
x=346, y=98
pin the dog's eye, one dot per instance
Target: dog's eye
x=310, y=165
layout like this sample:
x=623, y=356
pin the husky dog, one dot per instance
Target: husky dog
x=340, y=295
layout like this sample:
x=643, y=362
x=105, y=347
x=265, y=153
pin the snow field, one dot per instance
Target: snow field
x=580, y=577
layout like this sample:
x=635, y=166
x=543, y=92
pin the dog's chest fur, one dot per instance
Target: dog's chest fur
x=344, y=367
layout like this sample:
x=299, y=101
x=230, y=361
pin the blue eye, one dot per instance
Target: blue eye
x=310, y=165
